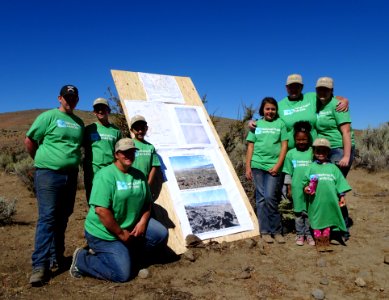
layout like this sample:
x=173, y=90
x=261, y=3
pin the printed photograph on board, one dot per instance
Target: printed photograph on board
x=194, y=171
x=209, y=210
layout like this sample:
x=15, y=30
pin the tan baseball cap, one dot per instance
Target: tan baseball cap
x=137, y=118
x=327, y=82
x=294, y=78
x=100, y=101
x=321, y=142
x=124, y=145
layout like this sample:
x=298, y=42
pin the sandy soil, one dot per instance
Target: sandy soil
x=239, y=270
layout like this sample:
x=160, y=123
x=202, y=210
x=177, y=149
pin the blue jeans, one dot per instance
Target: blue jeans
x=336, y=155
x=55, y=192
x=302, y=224
x=114, y=260
x=268, y=196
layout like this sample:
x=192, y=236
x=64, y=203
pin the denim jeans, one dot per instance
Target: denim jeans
x=55, y=192
x=336, y=155
x=268, y=196
x=302, y=224
x=114, y=260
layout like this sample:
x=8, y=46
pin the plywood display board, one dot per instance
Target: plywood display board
x=189, y=146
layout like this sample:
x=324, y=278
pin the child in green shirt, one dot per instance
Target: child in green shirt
x=146, y=159
x=326, y=200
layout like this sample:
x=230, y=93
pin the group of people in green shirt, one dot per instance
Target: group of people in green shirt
x=118, y=224
x=286, y=136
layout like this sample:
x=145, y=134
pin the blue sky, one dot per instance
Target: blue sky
x=236, y=52
x=185, y=162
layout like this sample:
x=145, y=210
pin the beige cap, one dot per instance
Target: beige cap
x=327, y=82
x=137, y=118
x=294, y=78
x=321, y=143
x=101, y=101
x=124, y=145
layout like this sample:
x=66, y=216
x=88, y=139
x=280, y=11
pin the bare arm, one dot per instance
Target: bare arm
x=252, y=125
x=106, y=217
x=31, y=146
x=249, y=155
x=345, y=129
x=150, y=179
x=343, y=104
x=284, y=148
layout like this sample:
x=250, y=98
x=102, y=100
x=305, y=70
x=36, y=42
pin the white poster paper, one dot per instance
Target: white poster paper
x=172, y=125
x=204, y=193
x=162, y=88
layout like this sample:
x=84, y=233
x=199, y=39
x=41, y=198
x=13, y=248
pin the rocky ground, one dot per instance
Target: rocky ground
x=246, y=269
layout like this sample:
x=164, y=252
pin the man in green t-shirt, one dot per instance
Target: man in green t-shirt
x=147, y=159
x=54, y=142
x=99, y=143
x=118, y=222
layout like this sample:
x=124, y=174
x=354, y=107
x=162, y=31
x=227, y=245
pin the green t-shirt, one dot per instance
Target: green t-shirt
x=323, y=206
x=267, y=140
x=299, y=110
x=146, y=157
x=127, y=195
x=99, y=143
x=296, y=164
x=328, y=122
x=59, y=136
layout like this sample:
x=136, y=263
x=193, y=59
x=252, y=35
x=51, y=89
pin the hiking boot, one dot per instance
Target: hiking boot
x=73, y=271
x=267, y=238
x=300, y=240
x=279, y=238
x=310, y=241
x=38, y=277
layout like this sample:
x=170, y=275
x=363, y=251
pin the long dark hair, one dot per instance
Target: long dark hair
x=270, y=100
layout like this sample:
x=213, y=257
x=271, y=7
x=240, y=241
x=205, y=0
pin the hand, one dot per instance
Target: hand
x=344, y=162
x=342, y=104
x=274, y=171
x=252, y=125
x=249, y=174
x=139, y=229
x=307, y=190
x=342, y=201
x=124, y=236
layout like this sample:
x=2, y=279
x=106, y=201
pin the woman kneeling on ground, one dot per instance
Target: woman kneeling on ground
x=118, y=225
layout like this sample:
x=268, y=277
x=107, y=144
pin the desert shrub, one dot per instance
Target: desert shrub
x=7, y=210
x=25, y=170
x=372, y=149
x=5, y=161
x=117, y=114
x=234, y=142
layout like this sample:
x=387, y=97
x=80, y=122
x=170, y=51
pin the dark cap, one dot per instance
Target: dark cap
x=69, y=90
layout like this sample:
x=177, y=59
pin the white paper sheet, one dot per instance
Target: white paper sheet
x=162, y=88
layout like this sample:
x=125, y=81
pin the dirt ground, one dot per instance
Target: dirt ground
x=238, y=270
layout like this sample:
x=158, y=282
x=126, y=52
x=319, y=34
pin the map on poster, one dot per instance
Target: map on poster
x=173, y=125
x=162, y=88
x=204, y=193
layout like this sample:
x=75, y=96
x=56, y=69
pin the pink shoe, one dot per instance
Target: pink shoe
x=310, y=241
x=300, y=240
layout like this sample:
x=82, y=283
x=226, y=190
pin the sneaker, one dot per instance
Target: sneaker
x=267, y=238
x=310, y=241
x=38, y=277
x=73, y=271
x=279, y=238
x=300, y=240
